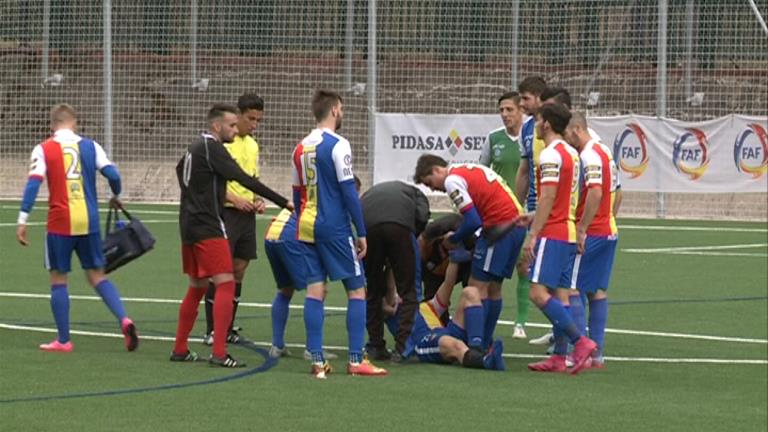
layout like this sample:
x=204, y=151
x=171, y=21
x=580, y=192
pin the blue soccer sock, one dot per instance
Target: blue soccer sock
x=279, y=312
x=492, y=314
x=60, y=309
x=356, y=329
x=313, y=324
x=598, y=317
x=111, y=297
x=474, y=324
x=561, y=341
x=577, y=312
x=560, y=317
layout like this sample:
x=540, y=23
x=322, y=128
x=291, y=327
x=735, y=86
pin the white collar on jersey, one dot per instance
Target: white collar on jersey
x=65, y=135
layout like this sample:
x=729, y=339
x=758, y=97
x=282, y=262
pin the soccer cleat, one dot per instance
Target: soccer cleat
x=547, y=339
x=365, y=368
x=326, y=355
x=321, y=370
x=57, y=346
x=555, y=363
x=519, y=332
x=208, y=339
x=226, y=362
x=189, y=356
x=582, y=351
x=233, y=337
x=275, y=352
x=129, y=332
x=493, y=360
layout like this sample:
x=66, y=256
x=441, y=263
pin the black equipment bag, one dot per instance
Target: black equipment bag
x=124, y=242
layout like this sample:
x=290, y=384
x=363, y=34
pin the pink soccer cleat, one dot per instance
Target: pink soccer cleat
x=129, y=332
x=365, y=368
x=555, y=363
x=582, y=351
x=57, y=346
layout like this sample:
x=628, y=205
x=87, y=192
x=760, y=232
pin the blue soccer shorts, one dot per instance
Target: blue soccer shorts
x=552, y=265
x=494, y=263
x=286, y=257
x=59, y=248
x=592, y=269
x=335, y=259
x=428, y=346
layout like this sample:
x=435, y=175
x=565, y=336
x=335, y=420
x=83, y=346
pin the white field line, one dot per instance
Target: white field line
x=149, y=221
x=704, y=250
x=691, y=228
x=628, y=227
x=698, y=248
x=341, y=348
x=343, y=309
x=714, y=254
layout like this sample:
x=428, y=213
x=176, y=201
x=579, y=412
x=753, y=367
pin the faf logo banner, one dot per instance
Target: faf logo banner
x=690, y=153
x=750, y=152
x=630, y=148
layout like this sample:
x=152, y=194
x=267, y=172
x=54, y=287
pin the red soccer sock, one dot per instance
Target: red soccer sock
x=222, y=316
x=187, y=317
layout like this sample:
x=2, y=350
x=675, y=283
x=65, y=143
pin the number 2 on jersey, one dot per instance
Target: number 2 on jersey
x=73, y=169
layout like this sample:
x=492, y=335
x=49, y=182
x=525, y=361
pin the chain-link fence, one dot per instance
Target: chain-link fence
x=143, y=74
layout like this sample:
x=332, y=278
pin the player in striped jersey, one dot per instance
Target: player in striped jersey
x=326, y=200
x=597, y=233
x=69, y=163
x=552, y=243
x=486, y=201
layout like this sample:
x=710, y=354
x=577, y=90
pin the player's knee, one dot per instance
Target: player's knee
x=471, y=295
x=287, y=292
x=538, y=295
x=356, y=294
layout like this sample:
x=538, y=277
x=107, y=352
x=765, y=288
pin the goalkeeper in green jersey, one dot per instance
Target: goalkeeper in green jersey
x=501, y=153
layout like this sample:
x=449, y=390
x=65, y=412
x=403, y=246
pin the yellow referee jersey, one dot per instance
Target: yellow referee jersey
x=245, y=151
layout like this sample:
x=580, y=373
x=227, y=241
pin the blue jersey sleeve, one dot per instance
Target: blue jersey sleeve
x=110, y=172
x=30, y=194
x=469, y=224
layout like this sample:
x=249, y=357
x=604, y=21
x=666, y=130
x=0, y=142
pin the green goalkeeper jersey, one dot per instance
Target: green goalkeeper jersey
x=501, y=153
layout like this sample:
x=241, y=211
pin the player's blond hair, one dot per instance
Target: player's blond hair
x=62, y=113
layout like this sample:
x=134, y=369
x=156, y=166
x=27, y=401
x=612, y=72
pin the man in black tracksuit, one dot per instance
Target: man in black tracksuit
x=395, y=214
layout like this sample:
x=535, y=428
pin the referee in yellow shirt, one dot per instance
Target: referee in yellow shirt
x=241, y=204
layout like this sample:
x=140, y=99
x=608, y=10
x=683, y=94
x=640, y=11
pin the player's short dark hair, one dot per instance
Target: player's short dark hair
x=425, y=164
x=557, y=94
x=322, y=103
x=250, y=101
x=557, y=115
x=515, y=96
x=63, y=112
x=219, y=109
x=358, y=183
x=534, y=85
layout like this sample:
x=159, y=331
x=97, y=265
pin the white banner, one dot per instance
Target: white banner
x=729, y=154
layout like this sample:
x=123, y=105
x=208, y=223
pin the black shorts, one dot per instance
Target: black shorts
x=241, y=233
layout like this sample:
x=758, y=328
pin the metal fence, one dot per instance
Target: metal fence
x=143, y=73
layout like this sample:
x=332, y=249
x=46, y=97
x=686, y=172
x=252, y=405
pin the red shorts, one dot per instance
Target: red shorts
x=206, y=258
